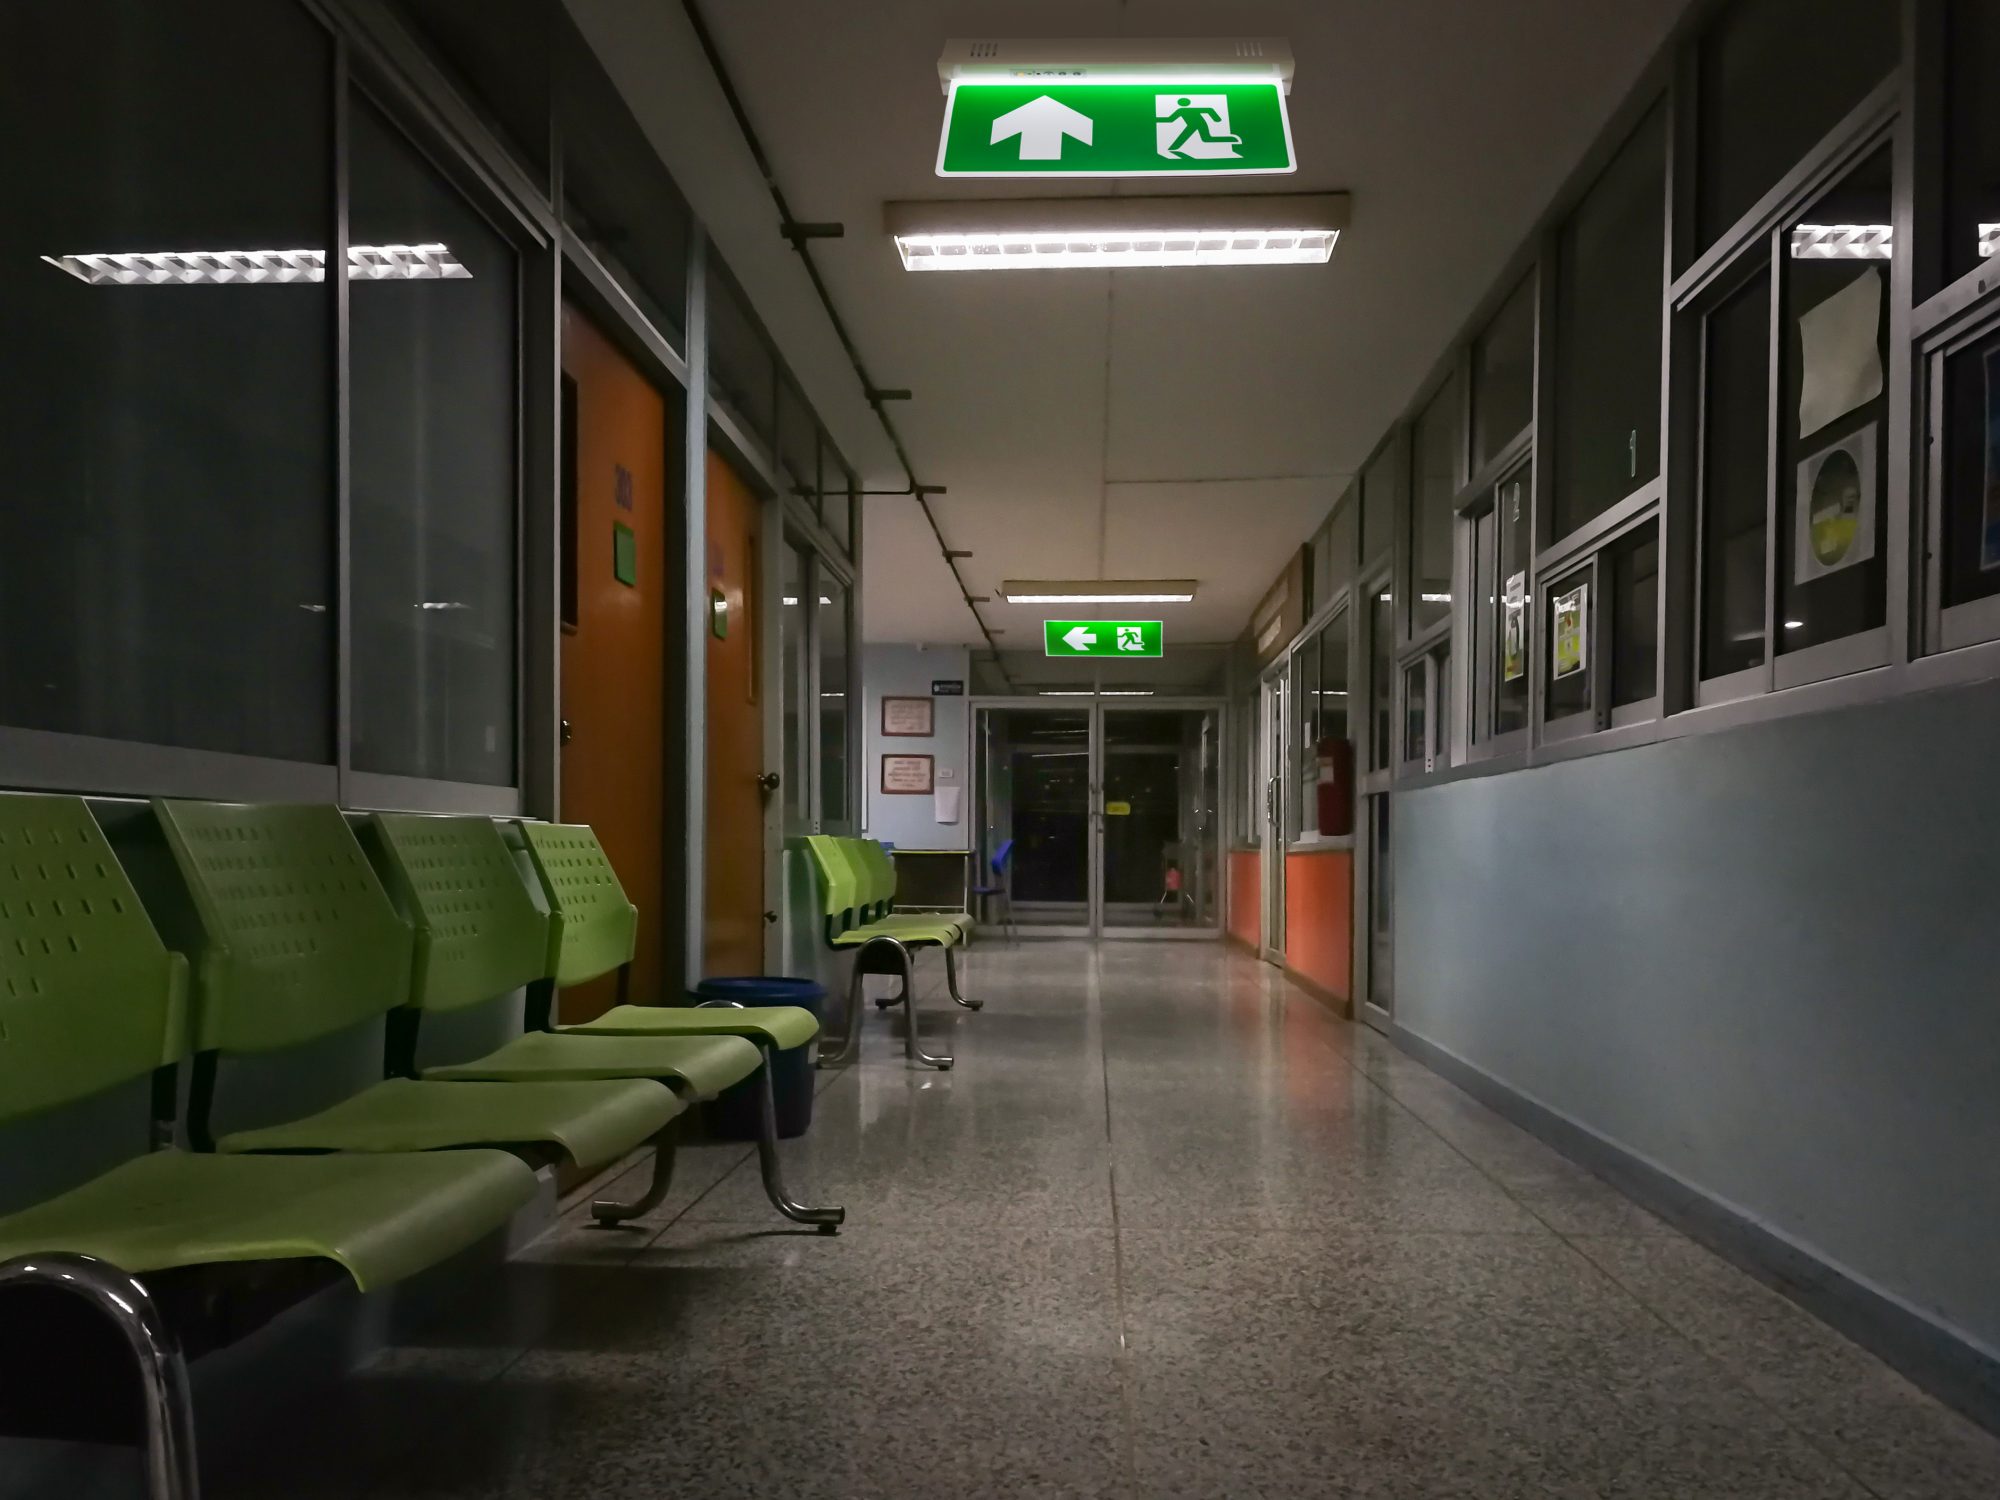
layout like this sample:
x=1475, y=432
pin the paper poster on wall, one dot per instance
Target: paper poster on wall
x=1840, y=352
x=1514, y=629
x=1572, y=624
x=944, y=803
x=1989, y=520
x=907, y=718
x=1835, y=510
x=907, y=775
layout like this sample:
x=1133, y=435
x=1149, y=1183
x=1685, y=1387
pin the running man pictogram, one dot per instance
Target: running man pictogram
x=1194, y=126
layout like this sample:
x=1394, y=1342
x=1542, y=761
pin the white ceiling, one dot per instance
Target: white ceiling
x=1152, y=423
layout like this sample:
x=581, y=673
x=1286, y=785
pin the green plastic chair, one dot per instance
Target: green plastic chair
x=846, y=891
x=294, y=938
x=879, y=869
x=593, y=931
x=90, y=999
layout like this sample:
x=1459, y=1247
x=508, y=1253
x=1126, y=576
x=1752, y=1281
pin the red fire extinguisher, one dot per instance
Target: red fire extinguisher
x=1336, y=786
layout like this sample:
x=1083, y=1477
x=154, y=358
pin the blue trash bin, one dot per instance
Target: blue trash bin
x=733, y=1115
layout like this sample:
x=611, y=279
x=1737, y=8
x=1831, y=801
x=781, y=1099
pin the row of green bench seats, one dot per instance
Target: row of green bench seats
x=264, y=930
x=858, y=888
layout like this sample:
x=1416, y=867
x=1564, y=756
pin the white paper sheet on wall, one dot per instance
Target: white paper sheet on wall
x=1841, y=353
x=945, y=800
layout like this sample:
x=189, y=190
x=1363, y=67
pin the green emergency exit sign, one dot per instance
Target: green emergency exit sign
x=1102, y=638
x=1016, y=129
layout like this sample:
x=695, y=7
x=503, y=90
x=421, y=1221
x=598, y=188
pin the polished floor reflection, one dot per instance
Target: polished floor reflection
x=1169, y=1229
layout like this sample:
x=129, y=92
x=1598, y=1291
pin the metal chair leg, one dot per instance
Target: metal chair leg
x=850, y=1039
x=913, y=1048
x=951, y=981
x=171, y=1470
x=825, y=1220
x=609, y=1212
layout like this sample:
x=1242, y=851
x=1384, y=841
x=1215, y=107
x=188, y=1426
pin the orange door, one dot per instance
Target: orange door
x=616, y=585
x=734, y=941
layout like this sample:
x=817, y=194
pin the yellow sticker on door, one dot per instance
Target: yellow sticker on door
x=1117, y=809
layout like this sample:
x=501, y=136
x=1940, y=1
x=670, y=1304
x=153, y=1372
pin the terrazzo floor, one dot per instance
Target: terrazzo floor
x=1168, y=1229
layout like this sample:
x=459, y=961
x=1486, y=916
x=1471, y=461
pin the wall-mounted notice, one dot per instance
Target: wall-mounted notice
x=1572, y=624
x=907, y=718
x=947, y=687
x=907, y=775
x=1514, y=629
x=1835, y=525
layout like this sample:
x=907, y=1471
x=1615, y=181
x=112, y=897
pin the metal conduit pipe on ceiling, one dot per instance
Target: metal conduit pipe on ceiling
x=802, y=243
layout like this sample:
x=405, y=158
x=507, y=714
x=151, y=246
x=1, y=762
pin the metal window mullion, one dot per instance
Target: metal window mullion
x=1902, y=476
x=1674, y=663
x=1774, y=398
x=695, y=614
x=343, y=459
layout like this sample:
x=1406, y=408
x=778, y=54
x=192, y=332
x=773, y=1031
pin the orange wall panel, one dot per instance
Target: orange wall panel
x=1319, y=919
x=1246, y=910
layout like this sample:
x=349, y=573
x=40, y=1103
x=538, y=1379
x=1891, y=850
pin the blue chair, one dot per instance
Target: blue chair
x=998, y=865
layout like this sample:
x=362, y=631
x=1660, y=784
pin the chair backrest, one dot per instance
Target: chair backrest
x=593, y=926
x=878, y=871
x=89, y=995
x=294, y=936
x=1000, y=856
x=840, y=893
x=479, y=934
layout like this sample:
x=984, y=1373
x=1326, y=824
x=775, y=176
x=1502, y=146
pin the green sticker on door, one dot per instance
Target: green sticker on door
x=624, y=555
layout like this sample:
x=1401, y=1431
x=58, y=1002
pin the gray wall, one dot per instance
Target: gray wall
x=907, y=672
x=1766, y=961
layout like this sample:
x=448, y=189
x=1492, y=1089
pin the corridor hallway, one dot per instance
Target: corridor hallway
x=1169, y=1229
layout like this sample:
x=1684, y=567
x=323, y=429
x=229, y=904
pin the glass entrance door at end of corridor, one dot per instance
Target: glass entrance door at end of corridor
x=1375, y=887
x=1159, y=862
x=1033, y=774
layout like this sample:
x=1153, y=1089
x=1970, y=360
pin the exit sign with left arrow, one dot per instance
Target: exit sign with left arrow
x=1168, y=129
x=1102, y=638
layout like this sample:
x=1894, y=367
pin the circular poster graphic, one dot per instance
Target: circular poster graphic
x=1836, y=508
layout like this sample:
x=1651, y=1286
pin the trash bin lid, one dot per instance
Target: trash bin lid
x=762, y=989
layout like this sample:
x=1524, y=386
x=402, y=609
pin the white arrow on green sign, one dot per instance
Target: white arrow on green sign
x=1102, y=638
x=1012, y=129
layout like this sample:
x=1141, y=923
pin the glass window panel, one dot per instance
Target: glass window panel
x=1972, y=139
x=1970, y=564
x=167, y=536
x=1441, y=667
x=1438, y=445
x=832, y=619
x=1503, y=375
x=1609, y=281
x=1514, y=612
x=1380, y=500
x=432, y=423
x=1486, y=622
x=793, y=614
x=798, y=445
x=1303, y=672
x=1569, y=621
x=1633, y=565
x=1833, y=576
x=1736, y=422
x=1333, y=679
x=740, y=363
x=1381, y=643
x=1340, y=545
x=1414, y=704
x=1381, y=904
x=1775, y=76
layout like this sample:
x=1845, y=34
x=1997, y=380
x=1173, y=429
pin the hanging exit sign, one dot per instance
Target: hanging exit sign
x=1168, y=129
x=1102, y=638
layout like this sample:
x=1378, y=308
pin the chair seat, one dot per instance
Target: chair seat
x=916, y=937
x=779, y=1026
x=955, y=921
x=380, y=1217
x=594, y=1122
x=698, y=1066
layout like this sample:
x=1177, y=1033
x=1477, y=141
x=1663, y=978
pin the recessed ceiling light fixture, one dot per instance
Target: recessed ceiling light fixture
x=1028, y=234
x=258, y=267
x=1096, y=692
x=1099, y=591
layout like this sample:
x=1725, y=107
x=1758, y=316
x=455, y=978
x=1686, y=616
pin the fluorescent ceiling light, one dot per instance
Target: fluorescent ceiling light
x=1096, y=692
x=1843, y=241
x=1030, y=234
x=1116, y=60
x=793, y=599
x=1098, y=591
x=258, y=267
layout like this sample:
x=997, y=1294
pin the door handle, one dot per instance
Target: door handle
x=771, y=917
x=770, y=782
x=565, y=733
